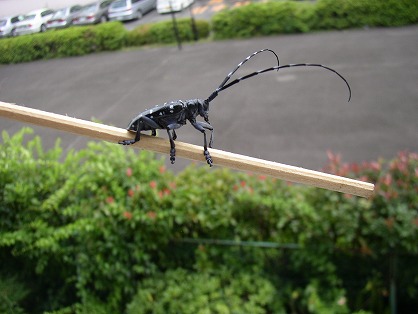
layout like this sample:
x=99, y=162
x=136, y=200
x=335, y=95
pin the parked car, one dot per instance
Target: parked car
x=8, y=25
x=167, y=6
x=64, y=17
x=93, y=13
x=34, y=22
x=125, y=10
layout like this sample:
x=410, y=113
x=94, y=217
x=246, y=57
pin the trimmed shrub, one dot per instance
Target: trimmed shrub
x=342, y=14
x=281, y=17
x=163, y=32
x=258, y=19
x=74, y=41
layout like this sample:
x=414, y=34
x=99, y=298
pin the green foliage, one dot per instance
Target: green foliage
x=74, y=41
x=77, y=41
x=341, y=14
x=281, y=17
x=181, y=291
x=12, y=292
x=163, y=32
x=95, y=230
x=260, y=19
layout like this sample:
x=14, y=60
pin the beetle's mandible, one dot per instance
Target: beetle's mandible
x=172, y=115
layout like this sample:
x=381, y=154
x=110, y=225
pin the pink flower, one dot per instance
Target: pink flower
x=151, y=214
x=127, y=215
x=153, y=184
x=387, y=180
x=110, y=200
x=131, y=193
x=129, y=172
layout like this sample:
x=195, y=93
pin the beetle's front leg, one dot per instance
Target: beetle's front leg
x=210, y=128
x=201, y=126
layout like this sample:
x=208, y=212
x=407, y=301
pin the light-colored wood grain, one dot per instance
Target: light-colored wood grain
x=189, y=151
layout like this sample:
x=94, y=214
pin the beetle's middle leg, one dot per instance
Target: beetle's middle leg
x=201, y=126
x=172, y=137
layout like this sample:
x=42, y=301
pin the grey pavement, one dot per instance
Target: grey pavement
x=292, y=116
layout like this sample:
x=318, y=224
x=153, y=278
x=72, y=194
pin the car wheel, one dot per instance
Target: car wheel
x=43, y=28
x=103, y=19
x=13, y=33
x=139, y=15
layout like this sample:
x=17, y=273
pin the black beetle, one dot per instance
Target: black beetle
x=172, y=115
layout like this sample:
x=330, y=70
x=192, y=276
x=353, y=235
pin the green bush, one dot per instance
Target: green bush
x=73, y=41
x=281, y=17
x=163, y=32
x=258, y=19
x=12, y=292
x=341, y=14
x=182, y=291
x=104, y=227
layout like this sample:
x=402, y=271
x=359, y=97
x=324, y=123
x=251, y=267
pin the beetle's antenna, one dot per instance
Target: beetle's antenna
x=221, y=87
x=282, y=67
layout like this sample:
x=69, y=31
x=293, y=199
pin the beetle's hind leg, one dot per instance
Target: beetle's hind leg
x=142, y=123
x=132, y=141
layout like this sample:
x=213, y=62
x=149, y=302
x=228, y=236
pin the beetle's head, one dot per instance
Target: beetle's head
x=203, y=106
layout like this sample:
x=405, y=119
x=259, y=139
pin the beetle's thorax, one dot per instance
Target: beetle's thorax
x=197, y=107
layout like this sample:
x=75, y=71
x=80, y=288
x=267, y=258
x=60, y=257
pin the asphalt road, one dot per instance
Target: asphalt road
x=292, y=116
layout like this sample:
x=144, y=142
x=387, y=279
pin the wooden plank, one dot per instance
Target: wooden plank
x=189, y=151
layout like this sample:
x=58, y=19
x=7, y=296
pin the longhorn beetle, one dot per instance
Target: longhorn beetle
x=171, y=116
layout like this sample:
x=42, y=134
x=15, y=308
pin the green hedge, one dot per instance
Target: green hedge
x=74, y=41
x=163, y=32
x=109, y=230
x=295, y=17
x=342, y=14
x=77, y=41
x=263, y=19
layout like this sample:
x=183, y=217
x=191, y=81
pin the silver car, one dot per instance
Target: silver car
x=93, y=13
x=64, y=17
x=34, y=22
x=8, y=25
x=125, y=10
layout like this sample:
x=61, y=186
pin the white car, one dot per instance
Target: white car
x=8, y=25
x=64, y=17
x=34, y=22
x=125, y=10
x=167, y=6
